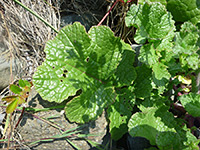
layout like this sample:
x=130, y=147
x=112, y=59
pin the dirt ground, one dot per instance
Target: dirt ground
x=46, y=124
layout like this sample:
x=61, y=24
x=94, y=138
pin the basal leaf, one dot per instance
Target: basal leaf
x=149, y=125
x=15, y=89
x=152, y=20
x=168, y=140
x=186, y=39
x=57, y=78
x=120, y=112
x=148, y=55
x=186, y=46
x=142, y=83
x=76, y=60
x=90, y=104
x=165, y=44
x=158, y=125
x=191, y=103
x=192, y=142
x=105, y=53
x=160, y=74
x=189, y=141
x=193, y=61
x=153, y=101
x=184, y=10
x=125, y=73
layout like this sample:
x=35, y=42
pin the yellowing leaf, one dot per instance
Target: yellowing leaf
x=27, y=89
x=21, y=100
x=11, y=107
x=9, y=98
x=184, y=80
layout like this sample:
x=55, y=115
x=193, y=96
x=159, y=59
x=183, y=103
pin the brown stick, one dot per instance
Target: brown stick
x=20, y=118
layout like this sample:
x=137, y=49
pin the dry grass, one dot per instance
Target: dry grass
x=98, y=8
x=26, y=35
x=116, y=21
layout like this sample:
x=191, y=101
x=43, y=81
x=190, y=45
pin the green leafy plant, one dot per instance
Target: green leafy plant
x=146, y=97
x=21, y=93
x=184, y=10
x=95, y=63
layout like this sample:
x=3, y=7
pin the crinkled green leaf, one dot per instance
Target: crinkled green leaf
x=125, y=73
x=152, y=20
x=167, y=56
x=159, y=126
x=186, y=46
x=105, y=53
x=183, y=61
x=191, y=103
x=90, y=104
x=184, y=10
x=192, y=142
x=133, y=16
x=166, y=43
x=190, y=61
x=186, y=39
x=160, y=74
x=189, y=141
x=148, y=55
x=76, y=60
x=193, y=61
x=149, y=125
x=59, y=76
x=174, y=67
x=142, y=83
x=15, y=89
x=168, y=140
x=164, y=2
x=12, y=106
x=153, y=101
x=120, y=112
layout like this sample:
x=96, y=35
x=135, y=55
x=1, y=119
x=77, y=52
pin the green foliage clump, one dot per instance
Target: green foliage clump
x=96, y=68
